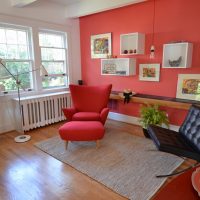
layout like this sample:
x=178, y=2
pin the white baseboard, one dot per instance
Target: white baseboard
x=132, y=120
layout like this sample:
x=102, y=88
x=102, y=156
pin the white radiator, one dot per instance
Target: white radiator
x=41, y=110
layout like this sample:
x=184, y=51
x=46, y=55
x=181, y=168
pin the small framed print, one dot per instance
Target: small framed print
x=149, y=72
x=101, y=46
x=188, y=87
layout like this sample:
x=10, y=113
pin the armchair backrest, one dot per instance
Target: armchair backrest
x=190, y=129
x=90, y=98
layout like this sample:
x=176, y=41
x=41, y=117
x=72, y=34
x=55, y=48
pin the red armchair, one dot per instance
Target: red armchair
x=90, y=103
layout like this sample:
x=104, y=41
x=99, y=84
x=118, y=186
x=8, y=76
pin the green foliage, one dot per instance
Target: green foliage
x=151, y=114
x=15, y=68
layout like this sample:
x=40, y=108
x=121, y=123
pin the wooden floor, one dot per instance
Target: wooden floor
x=27, y=173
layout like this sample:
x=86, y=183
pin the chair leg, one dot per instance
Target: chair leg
x=97, y=144
x=179, y=172
x=66, y=145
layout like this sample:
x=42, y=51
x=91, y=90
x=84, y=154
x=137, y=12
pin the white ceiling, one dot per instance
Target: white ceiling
x=78, y=8
x=66, y=2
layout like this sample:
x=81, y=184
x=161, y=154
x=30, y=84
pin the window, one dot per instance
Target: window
x=15, y=50
x=53, y=56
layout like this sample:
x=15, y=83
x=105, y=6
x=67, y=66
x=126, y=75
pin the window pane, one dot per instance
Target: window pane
x=11, y=36
x=59, y=42
x=3, y=51
x=2, y=36
x=12, y=51
x=23, y=52
x=22, y=39
x=51, y=40
x=52, y=82
x=16, y=68
x=42, y=39
x=52, y=54
x=54, y=67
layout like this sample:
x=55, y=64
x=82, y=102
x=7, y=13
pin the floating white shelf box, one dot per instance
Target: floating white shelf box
x=118, y=66
x=132, y=43
x=177, y=55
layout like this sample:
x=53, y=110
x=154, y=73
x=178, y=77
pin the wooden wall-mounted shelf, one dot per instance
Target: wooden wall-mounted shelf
x=162, y=101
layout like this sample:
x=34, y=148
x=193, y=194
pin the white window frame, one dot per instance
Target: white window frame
x=30, y=47
x=65, y=62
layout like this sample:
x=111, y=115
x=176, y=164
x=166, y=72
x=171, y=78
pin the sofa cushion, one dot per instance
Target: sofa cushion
x=81, y=131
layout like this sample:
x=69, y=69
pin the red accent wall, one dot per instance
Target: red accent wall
x=175, y=20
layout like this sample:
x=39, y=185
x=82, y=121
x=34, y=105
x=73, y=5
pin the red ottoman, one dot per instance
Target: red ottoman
x=82, y=131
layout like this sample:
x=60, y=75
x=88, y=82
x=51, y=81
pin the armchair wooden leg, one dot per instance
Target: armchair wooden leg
x=97, y=144
x=66, y=144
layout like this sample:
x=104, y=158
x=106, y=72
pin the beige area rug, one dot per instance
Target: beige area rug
x=123, y=162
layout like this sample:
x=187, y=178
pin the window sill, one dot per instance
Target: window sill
x=34, y=93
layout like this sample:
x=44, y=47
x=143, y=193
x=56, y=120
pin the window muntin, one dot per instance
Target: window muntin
x=15, y=50
x=53, y=55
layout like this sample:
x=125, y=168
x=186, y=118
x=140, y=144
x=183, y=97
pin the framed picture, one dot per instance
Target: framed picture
x=188, y=86
x=101, y=46
x=149, y=72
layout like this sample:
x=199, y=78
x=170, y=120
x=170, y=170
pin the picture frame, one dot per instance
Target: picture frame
x=188, y=87
x=101, y=45
x=149, y=72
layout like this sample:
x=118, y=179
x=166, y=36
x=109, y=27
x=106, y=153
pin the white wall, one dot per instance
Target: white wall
x=42, y=14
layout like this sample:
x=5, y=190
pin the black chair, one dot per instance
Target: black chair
x=184, y=143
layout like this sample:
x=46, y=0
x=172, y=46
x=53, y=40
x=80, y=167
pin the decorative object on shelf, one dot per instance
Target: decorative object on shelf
x=118, y=66
x=132, y=43
x=177, y=55
x=109, y=68
x=195, y=180
x=149, y=72
x=130, y=51
x=175, y=63
x=125, y=51
x=152, y=115
x=127, y=95
x=121, y=72
x=152, y=48
x=101, y=46
x=109, y=56
x=80, y=82
x=23, y=137
x=188, y=87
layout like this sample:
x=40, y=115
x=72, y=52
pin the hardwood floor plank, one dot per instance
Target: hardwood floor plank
x=27, y=173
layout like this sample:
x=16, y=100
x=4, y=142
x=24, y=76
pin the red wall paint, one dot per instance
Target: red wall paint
x=175, y=20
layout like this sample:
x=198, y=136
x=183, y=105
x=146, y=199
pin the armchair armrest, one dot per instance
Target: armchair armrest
x=104, y=114
x=69, y=112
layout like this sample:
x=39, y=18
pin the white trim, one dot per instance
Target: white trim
x=132, y=120
x=123, y=118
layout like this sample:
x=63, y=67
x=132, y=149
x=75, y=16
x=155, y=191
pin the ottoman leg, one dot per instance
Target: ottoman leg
x=97, y=144
x=66, y=144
